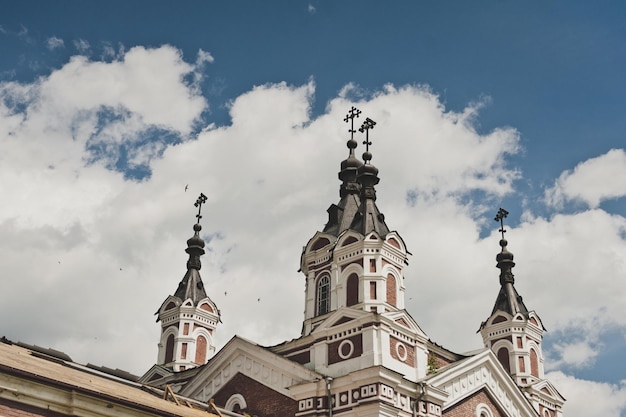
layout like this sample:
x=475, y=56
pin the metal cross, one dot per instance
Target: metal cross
x=500, y=216
x=199, y=202
x=365, y=127
x=352, y=113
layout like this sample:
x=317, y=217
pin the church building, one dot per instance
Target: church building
x=360, y=352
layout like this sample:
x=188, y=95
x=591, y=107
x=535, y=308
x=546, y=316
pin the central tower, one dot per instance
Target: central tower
x=355, y=261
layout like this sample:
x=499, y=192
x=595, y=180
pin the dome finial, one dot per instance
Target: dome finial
x=199, y=202
x=365, y=127
x=195, y=245
x=350, y=165
x=352, y=113
x=500, y=216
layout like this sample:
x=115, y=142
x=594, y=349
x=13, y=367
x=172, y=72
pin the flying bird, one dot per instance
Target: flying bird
x=186, y=187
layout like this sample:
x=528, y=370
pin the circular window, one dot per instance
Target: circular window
x=401, y=351
x=346, y=349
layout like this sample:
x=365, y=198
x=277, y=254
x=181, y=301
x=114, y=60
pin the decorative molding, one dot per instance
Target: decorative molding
x=472, y=380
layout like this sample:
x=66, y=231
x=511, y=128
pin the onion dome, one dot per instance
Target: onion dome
x=195, y=248
x=505, y=263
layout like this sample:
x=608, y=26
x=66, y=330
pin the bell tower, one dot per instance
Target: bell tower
x=189, y=317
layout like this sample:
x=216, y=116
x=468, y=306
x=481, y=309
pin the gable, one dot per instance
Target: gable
x=404, y=319
x=340, y=316
x=478, y=404
x=548, y=391
x=482, y=372
x=240, y=356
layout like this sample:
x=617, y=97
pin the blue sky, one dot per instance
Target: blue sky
x=109, y=107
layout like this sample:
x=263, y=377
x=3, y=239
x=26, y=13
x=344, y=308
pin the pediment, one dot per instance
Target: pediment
x=155, y=373
x=209, y=306
x=169, y=303
x=404, y=319
x=534, y=319
x=348, y=237
x=240, y=356
x=482, y=371
x=544, y=388
x=318, y=241
x=339, y=317
x=395, y=240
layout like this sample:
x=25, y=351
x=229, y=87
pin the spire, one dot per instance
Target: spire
x=340, y=215
x=508, y=299
x=368, y=219
x=350, y=166
x=191, y=285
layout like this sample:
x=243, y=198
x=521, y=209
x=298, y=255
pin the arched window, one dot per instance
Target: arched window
x=236, y=403
x=391, y=289
x=352, y=290
x=169, y=349
x=503, y=357
x=534, y=363
x=201, y=350
x=483, y=410
x=323, y=295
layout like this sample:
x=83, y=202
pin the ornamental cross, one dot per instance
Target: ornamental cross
x=199, y=202
x=352, y=113
x=365, y=127
x=500, y=216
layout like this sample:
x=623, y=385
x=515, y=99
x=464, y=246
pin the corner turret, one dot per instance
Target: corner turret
x=514, y=334
x=189, y=317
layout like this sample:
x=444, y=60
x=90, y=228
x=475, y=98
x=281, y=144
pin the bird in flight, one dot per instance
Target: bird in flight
x=186, y=187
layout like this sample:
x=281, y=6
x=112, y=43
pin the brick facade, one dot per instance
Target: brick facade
x=467, y=407
x=262, y=401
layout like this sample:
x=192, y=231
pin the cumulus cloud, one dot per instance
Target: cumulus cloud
x=99, y=252
x=592, y=181
x=588, y=398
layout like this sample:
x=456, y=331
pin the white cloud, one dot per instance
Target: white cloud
x=82, y=46
x=269, y=177
x=204, y=57
x=592, y=181
x=589, y=398
x=54, y=43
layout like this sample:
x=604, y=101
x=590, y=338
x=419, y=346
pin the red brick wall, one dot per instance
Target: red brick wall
x=261, y=400
x=409, y=350
x=467, y=407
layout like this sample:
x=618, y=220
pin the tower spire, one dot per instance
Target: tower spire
x=341, y=215
x=368, y=219
x=508, y=299
x=350, y=166
x=192, y=286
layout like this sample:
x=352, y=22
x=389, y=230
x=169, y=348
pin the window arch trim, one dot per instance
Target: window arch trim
x=322, y=296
